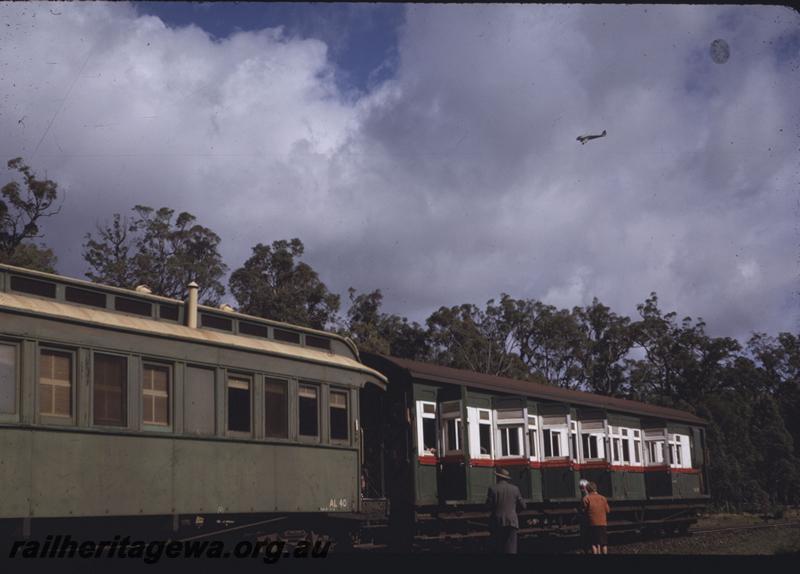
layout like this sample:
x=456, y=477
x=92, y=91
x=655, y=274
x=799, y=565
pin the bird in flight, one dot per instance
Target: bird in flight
x=584, y=139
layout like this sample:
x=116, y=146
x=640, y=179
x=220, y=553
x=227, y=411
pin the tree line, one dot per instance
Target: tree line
x=749, y=392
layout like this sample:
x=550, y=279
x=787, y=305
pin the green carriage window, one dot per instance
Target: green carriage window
x=276, y=416
x=8, y=379
x=308, y=410
x=239, y=404
x=155, y=395
x=338, y=411
x=199, y=408
x=110, y=390
x=55, y=383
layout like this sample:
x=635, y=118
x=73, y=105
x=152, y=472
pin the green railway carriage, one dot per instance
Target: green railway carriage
x=445, y=431
x=119, y=403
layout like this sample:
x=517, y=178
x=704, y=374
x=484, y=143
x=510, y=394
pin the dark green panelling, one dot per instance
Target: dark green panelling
x=508, y=402
x=533, y=408
x=616, y=419
x=553, y=408
x=560, y=483
x=658, y=484
x=686, y=485
x=588, y=414
x=481, y=478
x=478, y=399
x=634, y=486
x=535, y=478
x=426, y=482
x=94, y=474
x=677, y=428
x=425, y=392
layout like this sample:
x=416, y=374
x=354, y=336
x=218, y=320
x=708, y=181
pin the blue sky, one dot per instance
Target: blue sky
x=430, y=150
x=362, y=38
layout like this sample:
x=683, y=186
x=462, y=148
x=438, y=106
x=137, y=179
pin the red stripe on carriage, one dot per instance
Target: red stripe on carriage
x=511, y=462
x=427, y=459
x=557, y=464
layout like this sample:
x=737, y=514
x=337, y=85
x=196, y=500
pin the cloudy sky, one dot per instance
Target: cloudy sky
x=430, y=150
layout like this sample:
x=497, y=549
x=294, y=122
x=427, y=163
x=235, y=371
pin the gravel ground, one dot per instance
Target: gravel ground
x=768, y=537
x=762, y=541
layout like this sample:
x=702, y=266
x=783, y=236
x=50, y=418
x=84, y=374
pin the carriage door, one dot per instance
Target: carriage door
x=452, y=463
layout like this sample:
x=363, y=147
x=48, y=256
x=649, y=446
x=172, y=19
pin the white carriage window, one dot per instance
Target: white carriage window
x=451, y=426
x=637, y=447
x=590, y=449
x=55, y=383
x=8, y=379
x=426, y=427
x=510, y=440
x=678, y=446
x=485, y=432
x=553, y=443
x=654, y=451
x=533, y=437
x=452, y=437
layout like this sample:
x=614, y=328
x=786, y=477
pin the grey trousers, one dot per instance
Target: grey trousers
x=506, y=539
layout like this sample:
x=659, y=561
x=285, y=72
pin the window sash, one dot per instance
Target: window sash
x=155, y=395
x=510, y=440
x=240, y=405
x=8, y=379
x=308, y=411
x=452, y=435
x=55, y=383
x=276, y=408
x=339, y=421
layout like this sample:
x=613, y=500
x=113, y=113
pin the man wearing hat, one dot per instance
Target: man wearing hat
x=504, y=498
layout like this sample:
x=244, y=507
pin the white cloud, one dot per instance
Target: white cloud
x=458, y=178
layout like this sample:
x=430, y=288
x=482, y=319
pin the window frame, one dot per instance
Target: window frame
x=214, y=371
x=250, y=379
x=318, y=389
x=446, y=415
x=348, y=415
x=49, y=418
x=421, y=414
x=676, y=442
x=127, y=394
x=560, y=428
x=533, y=427
x=287, y=384
x=16, y=347
x=654, y=445
x=504, y=424
x=170, y=367
x=490, y=423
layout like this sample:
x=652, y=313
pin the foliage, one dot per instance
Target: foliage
x=467, y=337
x=21, y=211
x=381, y=332
x=154, y=250
x=274, y=285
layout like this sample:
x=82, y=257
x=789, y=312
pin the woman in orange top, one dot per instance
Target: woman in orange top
x=595, y=506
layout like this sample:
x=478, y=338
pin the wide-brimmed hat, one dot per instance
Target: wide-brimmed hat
x=502, y=473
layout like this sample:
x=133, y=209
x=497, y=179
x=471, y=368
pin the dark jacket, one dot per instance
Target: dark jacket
x=504, y=499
